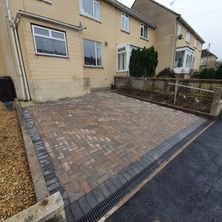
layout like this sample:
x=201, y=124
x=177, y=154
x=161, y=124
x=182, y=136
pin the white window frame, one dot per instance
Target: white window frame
x=128, y=50
x=124, y=17
x=119, y=53
x=49, y=37
x=95, y=45
x=187, y=60
x=93, y=12
x=195, y=43
x=142, y=27
x=188, y=36
x=179, y=29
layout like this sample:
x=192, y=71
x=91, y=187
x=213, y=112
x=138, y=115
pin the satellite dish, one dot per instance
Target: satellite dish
x=180, y=36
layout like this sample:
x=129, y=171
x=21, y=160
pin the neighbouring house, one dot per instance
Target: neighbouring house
x=208, y=60
x=55, y=50
x=179, y=46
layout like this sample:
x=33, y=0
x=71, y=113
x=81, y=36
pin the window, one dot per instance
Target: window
x=49, y=41
x=180, y=29
x=92, y=53
x=179, y=59
x=90, y=8
x=144, y=31
x=124, y=22
x=122, y=59
x=188, y=37
x=124, y=52
x=195, y=43
x=189, y=61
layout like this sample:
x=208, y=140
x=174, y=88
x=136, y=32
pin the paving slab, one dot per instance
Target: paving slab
x=90, y=147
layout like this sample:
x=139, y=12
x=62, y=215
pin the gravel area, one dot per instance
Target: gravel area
x=16, y=188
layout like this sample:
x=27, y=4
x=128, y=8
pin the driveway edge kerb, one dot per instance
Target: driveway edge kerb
x=48, y=207
x=118, y=186
x=39, y=184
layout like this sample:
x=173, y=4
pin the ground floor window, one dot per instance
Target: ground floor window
x=92, y=53
x=123, y=56
x=184, y=60
x=49, y=41
x=122, y=59
x=179, y=58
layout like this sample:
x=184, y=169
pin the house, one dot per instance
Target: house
x=179, y=45
x=54, y=50
x=208, y=60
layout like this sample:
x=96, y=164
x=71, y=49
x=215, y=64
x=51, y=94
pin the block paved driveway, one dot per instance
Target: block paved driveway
x=91, y=138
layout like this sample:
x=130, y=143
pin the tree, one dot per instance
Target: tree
x=143, y=62
x=219, y=73
x=208, y=74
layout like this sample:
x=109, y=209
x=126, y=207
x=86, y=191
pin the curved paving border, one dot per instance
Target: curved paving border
x=97, y=202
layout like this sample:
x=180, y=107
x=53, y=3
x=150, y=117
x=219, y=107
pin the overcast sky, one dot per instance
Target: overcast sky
x=205, y=16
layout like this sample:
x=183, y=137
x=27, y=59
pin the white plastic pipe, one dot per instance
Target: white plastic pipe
x=15, y=49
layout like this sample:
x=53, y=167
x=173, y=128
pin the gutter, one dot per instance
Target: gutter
x=13, y=23
x=181, y=19
x=46, y=19
x=132, y=12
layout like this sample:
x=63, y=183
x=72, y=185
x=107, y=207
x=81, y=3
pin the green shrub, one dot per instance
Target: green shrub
x=143, y=62
x=219, y=73
x=166, y=73
x=208, y=74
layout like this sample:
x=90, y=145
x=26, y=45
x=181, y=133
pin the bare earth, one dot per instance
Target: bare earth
x=16, y=189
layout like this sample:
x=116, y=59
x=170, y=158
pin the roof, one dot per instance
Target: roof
x=183, y=21
x=132, y=13
x=206, y=53
x=180, y=18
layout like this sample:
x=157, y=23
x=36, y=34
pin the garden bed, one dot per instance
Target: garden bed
x=16, y=188
x=184, y=100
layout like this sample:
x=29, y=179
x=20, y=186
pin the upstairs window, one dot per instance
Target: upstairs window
x=195, y=43
x=92, y=53
x=188, y=37
x=124, y=22
x=179, y=29
x=49, y=41
x=90, y=8
x=144, y=31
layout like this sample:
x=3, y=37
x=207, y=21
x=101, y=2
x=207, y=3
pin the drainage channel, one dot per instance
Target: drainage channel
x=142, y=168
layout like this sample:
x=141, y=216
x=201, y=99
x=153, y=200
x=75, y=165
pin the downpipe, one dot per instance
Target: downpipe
x=18, y=56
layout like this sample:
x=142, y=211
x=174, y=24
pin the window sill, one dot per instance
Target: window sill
x=188, y=42
x=46, y=1
x=143, y=38
x=122, y=71
x=127, y=32
x=93, y=67
x=91, y=18
x=49, y=55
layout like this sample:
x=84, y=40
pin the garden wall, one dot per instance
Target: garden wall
x=162, y=85
x=207, y=101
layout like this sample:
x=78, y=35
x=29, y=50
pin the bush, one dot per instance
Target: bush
x=143, y=62
x=208, y=74
x=166, y=73
x=219, y=73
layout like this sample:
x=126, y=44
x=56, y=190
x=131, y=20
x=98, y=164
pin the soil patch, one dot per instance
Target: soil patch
x=184, y=100
x=16, y=188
